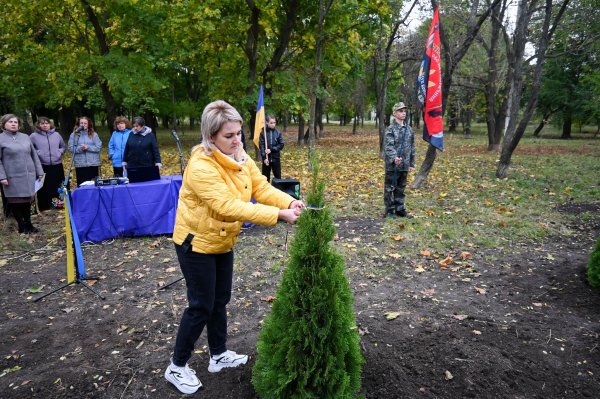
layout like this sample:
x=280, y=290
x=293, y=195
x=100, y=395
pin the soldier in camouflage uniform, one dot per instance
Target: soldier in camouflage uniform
x=399, y=148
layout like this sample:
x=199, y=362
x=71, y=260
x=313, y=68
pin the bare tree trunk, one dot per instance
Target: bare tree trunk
x=514, y=132
x=324, y=7
x=567, y=123
x=545, y=119
x=109, y=100
x=495, y=114
x=300, y=129
x=426, y=166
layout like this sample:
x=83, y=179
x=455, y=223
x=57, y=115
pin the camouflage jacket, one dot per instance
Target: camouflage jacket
x=399, y=141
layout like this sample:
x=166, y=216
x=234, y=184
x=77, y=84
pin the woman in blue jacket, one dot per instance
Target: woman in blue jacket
x=116, y=145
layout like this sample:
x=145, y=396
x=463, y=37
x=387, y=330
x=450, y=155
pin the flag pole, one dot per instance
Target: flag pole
x=265, y=133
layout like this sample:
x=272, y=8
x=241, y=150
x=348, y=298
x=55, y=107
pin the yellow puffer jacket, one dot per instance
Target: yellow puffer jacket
x=214, y=201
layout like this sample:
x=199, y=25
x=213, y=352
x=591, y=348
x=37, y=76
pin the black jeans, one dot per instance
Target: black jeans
x=275, y=166
x=117, y=171
x=208, y=279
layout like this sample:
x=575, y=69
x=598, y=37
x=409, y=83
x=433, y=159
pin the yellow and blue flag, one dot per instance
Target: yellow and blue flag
x=259, y=123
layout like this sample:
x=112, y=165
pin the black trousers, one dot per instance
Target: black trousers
x=86, y=173
x=275, y=166
x=209, y=280
x=55, y=175
x=117, y=171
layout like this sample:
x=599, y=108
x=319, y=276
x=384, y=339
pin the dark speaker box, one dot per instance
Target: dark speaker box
x=288, y=186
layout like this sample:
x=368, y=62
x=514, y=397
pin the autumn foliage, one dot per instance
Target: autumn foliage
x=309, y=345
x=593, y=272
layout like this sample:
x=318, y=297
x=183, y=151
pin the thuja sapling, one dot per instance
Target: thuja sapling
x=309, y=343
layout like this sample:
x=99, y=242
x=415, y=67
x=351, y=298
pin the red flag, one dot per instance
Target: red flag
x=429, y=86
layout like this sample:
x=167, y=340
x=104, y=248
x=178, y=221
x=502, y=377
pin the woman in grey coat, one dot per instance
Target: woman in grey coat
x=85, y=145
x=19, y=169
x=50, y=148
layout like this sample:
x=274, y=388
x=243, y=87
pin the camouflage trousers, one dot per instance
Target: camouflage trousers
x=393, y=192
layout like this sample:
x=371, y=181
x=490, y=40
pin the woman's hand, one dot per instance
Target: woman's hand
x=159, y=165
x=289, y=215
x=4, y=182
x=297, y=204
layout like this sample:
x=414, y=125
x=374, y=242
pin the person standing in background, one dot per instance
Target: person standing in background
x=399, y=149
x=116, y=145
x=85, y=144
x=271, y=152
x=141, y=149
x=19, y=169
x=50, y=148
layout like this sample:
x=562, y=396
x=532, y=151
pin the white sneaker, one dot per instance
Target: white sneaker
x=184, y=378
x=226, y=359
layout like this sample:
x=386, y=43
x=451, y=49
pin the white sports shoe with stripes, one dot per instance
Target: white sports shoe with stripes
x=184, y=378
x=224, y=360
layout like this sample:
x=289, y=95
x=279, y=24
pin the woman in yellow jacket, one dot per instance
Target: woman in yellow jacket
x=214, y=201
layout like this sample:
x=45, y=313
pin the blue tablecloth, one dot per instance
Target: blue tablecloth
x=134, y=209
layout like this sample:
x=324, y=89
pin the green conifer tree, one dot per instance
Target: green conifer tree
x=593, y=272
x=309, y=344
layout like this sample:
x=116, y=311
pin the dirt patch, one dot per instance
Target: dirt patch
x=518, y=321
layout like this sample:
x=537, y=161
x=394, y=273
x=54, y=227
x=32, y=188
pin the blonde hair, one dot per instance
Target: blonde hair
x=214, y=116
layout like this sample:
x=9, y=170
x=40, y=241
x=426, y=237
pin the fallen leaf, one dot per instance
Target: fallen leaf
x=3, y=262
x=419, y=269
x=171, y=269
x=460, y=316
x=480, y=290
x=425, y=253
x=394, y=255
x=397, y=238
x=476, y=332
x=392, y=315
x=35, y=290
x=445, y=262
x=428, y=292
x=268, y=298
x=464, y=255
x=448, y=375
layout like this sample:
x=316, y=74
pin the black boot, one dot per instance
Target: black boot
x=404, y=214
x=18, y=214
x=29, y=228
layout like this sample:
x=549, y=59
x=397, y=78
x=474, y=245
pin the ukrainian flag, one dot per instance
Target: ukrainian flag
x=259, y=123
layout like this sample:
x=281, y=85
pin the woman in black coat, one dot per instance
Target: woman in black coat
x=141, y=148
